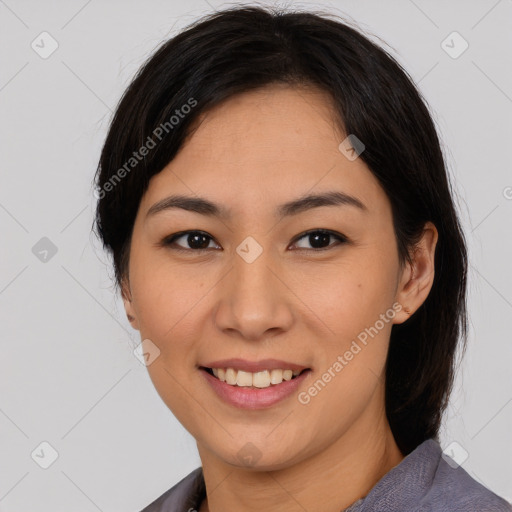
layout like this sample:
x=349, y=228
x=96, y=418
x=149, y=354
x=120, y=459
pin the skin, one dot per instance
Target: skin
x=294, y=302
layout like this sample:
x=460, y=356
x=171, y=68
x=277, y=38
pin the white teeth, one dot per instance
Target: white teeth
x=231, y=376
x=243, y=378
x=276, y=376
x=261, y=379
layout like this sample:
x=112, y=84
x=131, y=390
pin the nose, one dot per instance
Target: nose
x=254, y=300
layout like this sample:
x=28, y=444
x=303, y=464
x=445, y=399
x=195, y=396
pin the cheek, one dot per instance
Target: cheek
x=167, y=302
x=166, y=295
x=348, y=295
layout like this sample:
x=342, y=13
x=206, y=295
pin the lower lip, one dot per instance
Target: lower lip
x=254, y=398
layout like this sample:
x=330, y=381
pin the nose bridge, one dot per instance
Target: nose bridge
x=252, y=270
x=253, y=300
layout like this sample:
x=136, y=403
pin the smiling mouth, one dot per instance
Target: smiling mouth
x=262, y=379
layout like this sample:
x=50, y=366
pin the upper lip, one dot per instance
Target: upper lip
x=254, y=366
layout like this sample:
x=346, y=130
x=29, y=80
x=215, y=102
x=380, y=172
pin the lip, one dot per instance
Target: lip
x=254, y=398
x=254, y=366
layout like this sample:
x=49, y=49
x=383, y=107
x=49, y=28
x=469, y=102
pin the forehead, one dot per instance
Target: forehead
x=267, y=123
x=275, y=143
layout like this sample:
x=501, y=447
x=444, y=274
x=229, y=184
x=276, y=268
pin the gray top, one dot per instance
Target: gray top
x=422, y=482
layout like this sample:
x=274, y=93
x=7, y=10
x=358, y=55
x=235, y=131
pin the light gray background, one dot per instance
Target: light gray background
x=67, y=372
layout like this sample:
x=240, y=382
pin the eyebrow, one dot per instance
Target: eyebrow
x=205, y=207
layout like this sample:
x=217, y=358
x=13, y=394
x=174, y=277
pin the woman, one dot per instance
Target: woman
x=275, y=199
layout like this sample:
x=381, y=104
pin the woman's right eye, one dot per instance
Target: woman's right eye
x=196, y=241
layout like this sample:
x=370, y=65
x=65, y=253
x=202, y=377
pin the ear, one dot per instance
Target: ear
x=416, y=280
x=128, y=305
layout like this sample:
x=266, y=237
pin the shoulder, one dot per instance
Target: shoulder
x=427, y=480
x=454, y=490
x=183, y=496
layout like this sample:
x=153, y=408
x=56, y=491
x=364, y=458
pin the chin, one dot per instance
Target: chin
x=259, y=455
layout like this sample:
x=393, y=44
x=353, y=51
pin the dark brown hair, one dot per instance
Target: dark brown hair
x=246, y=48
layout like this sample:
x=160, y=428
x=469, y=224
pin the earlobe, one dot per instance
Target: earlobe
x=128, y=305
x=418, y=277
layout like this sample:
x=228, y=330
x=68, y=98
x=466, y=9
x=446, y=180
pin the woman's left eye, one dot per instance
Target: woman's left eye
x=318, y=238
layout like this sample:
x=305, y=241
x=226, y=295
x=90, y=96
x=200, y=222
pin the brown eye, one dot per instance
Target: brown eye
x=194, y=241
x=319, y=239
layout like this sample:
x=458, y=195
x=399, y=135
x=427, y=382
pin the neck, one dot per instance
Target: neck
x=330, y=480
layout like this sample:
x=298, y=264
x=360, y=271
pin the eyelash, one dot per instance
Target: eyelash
x=169, y=241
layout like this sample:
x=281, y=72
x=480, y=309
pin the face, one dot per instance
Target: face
x=302, y=285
